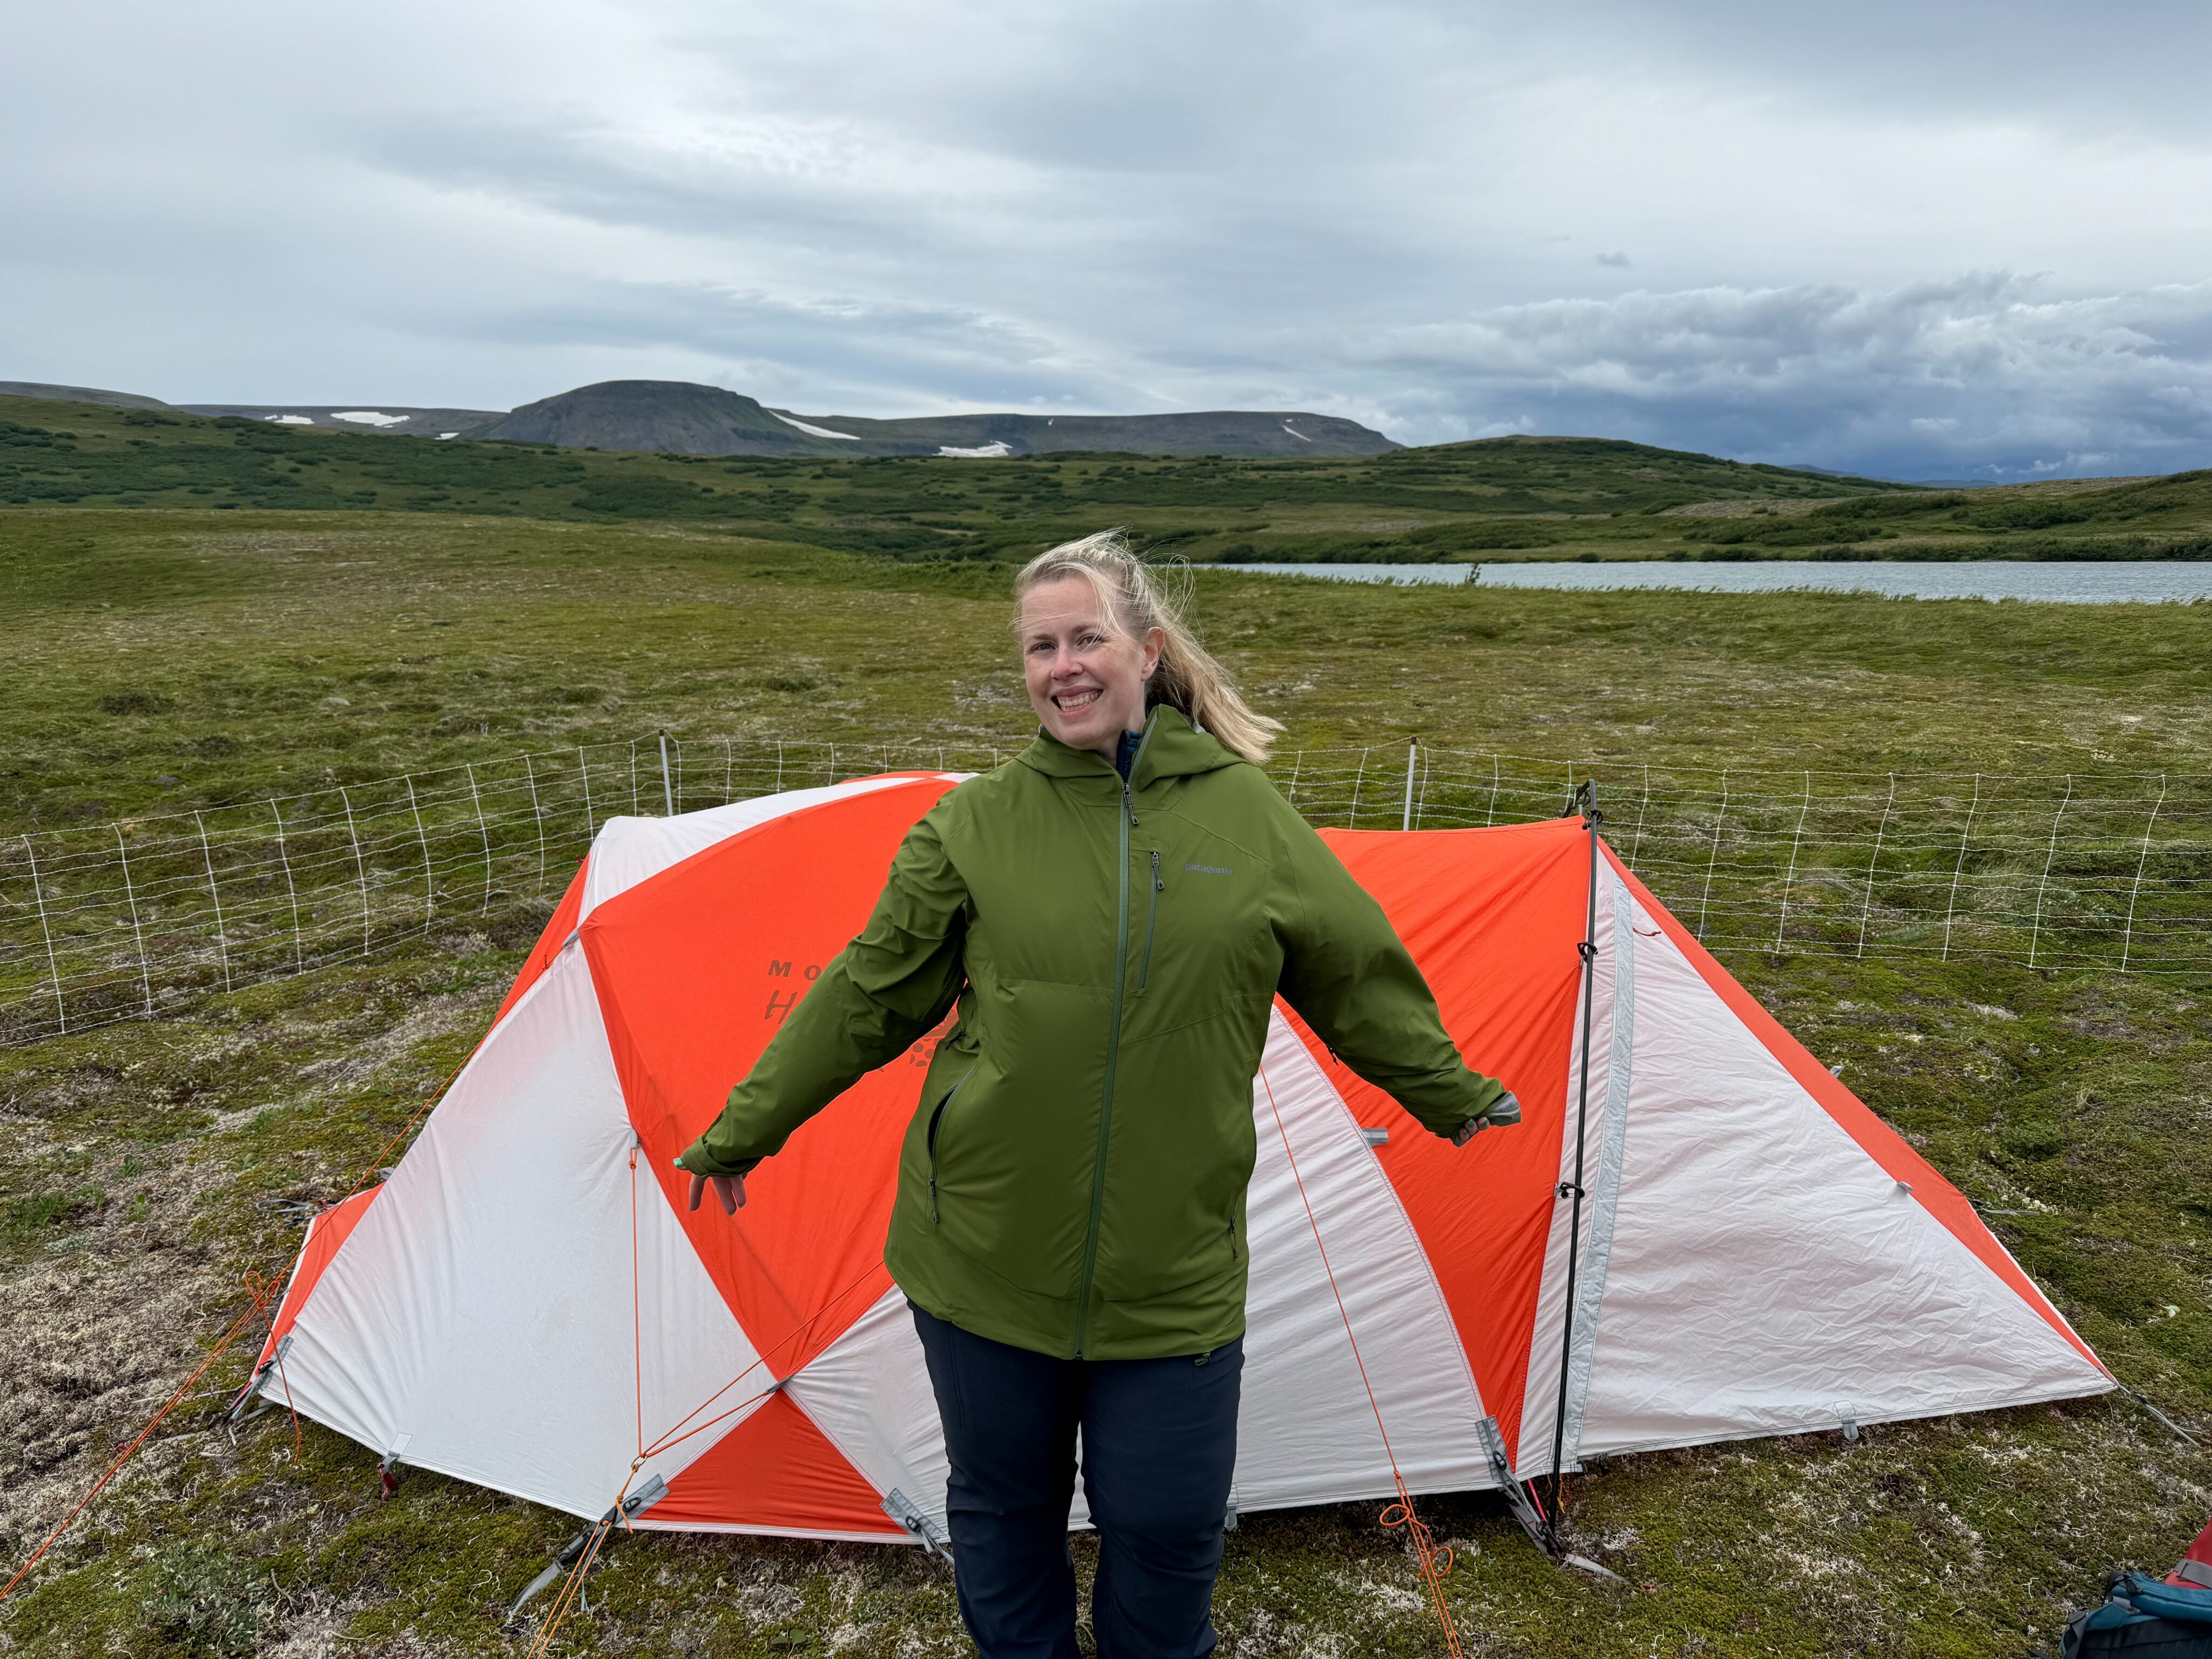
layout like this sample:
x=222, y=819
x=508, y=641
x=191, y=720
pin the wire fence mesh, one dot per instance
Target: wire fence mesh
x=133, y=919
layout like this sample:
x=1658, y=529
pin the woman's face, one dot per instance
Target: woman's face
x=1086, y=681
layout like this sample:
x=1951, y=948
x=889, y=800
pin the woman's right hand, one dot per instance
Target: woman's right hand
x=729, y=1191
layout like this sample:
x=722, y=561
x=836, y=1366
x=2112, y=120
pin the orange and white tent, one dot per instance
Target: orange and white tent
x=525, y=1303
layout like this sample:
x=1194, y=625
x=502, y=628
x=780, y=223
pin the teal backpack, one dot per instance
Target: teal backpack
x=2144, y=1617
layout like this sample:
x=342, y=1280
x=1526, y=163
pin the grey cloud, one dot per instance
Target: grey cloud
x=1414, y=213
x=1986, y=372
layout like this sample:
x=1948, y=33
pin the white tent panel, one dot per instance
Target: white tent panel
x=869, y=1392
x=1306, y=1434
x=480, y=1320
x=1766, y=1275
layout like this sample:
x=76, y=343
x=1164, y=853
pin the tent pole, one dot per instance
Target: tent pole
x=1585, y=801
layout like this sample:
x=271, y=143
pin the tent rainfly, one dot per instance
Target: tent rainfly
x=1697, y=1235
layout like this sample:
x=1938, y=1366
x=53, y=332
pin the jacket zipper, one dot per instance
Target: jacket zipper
x=1128, y=819
x=1233, y=1238
x=936, y=1121
x=1152, y=915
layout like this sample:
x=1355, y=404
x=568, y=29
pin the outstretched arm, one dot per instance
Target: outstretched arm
x=884, y=990
x=1351, y=979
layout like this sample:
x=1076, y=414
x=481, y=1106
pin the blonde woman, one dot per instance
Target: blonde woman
x=1112, y=914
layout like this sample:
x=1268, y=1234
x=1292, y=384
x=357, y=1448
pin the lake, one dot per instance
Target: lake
x=2114, y=581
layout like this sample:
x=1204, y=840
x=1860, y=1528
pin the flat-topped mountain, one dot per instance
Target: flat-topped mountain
x=1213, y=432
x=677, y=417
x=669, y=416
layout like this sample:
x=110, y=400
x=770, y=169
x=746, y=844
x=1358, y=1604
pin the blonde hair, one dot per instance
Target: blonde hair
x=1137, y=600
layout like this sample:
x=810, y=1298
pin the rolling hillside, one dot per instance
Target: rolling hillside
x=1565, y=498
x=1499, y=499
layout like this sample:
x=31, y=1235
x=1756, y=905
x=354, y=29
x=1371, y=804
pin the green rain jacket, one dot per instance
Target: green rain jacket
x=1073, y=1178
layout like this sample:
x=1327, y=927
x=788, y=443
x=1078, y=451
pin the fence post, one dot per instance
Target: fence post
x=667, y=789
x=1882, y=829
x=145, y=974
x=833, y=762
x=2128, y=939
x=1951, y=909
x=360, y=869
x=1705, y=899
x=1642, y=805
x=779, y=766
x=1359, y=782
x=590, y=824
x=530, y=776
x=636, y=810
x=1297, y=760
x=291, y=891
x=1412, y=750
x=53, y=967
x=1789, y=879
x=482, y=830
x=729, y=772
x=222, y=942
x=2049, y=856
x=1490, y=815
x=422, y=839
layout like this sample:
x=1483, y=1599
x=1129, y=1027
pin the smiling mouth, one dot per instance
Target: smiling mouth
x=1070, y=703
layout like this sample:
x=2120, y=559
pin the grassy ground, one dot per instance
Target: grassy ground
x=168, y=657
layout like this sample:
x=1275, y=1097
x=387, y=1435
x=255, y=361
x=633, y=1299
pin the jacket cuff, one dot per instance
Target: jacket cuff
x=698, y=1159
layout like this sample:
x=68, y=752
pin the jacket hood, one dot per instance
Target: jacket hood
x=1173, y=748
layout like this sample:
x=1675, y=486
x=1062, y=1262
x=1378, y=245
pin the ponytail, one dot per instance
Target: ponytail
x=1138, y=600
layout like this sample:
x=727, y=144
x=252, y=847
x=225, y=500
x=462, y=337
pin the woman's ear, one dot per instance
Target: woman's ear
x=1156, y=640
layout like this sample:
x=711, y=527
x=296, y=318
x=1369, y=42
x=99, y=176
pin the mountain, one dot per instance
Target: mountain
x=77, y=394
x=1217, y=432
x=669, y=416
x=394, y=418
x=677, y=418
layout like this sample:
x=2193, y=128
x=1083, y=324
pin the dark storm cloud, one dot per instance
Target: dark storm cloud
x=1907, y=239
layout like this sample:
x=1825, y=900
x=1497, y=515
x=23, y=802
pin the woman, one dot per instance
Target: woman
x=1112, y=914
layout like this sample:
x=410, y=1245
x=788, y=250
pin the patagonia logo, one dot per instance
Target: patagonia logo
x=1209, y=869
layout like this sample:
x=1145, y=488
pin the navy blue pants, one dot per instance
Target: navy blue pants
x=1159, y=1446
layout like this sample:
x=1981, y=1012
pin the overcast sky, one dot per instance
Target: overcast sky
x=1921, y=240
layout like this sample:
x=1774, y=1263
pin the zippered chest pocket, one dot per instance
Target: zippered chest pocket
x=1151, y=921
x=1198, y=918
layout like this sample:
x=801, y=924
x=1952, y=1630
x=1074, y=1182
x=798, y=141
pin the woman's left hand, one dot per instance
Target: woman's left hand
x=729, y=1191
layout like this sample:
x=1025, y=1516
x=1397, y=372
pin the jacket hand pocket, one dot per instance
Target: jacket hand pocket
x=936, y=1128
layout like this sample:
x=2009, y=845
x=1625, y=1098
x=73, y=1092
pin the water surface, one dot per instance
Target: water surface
x=2104, y=581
